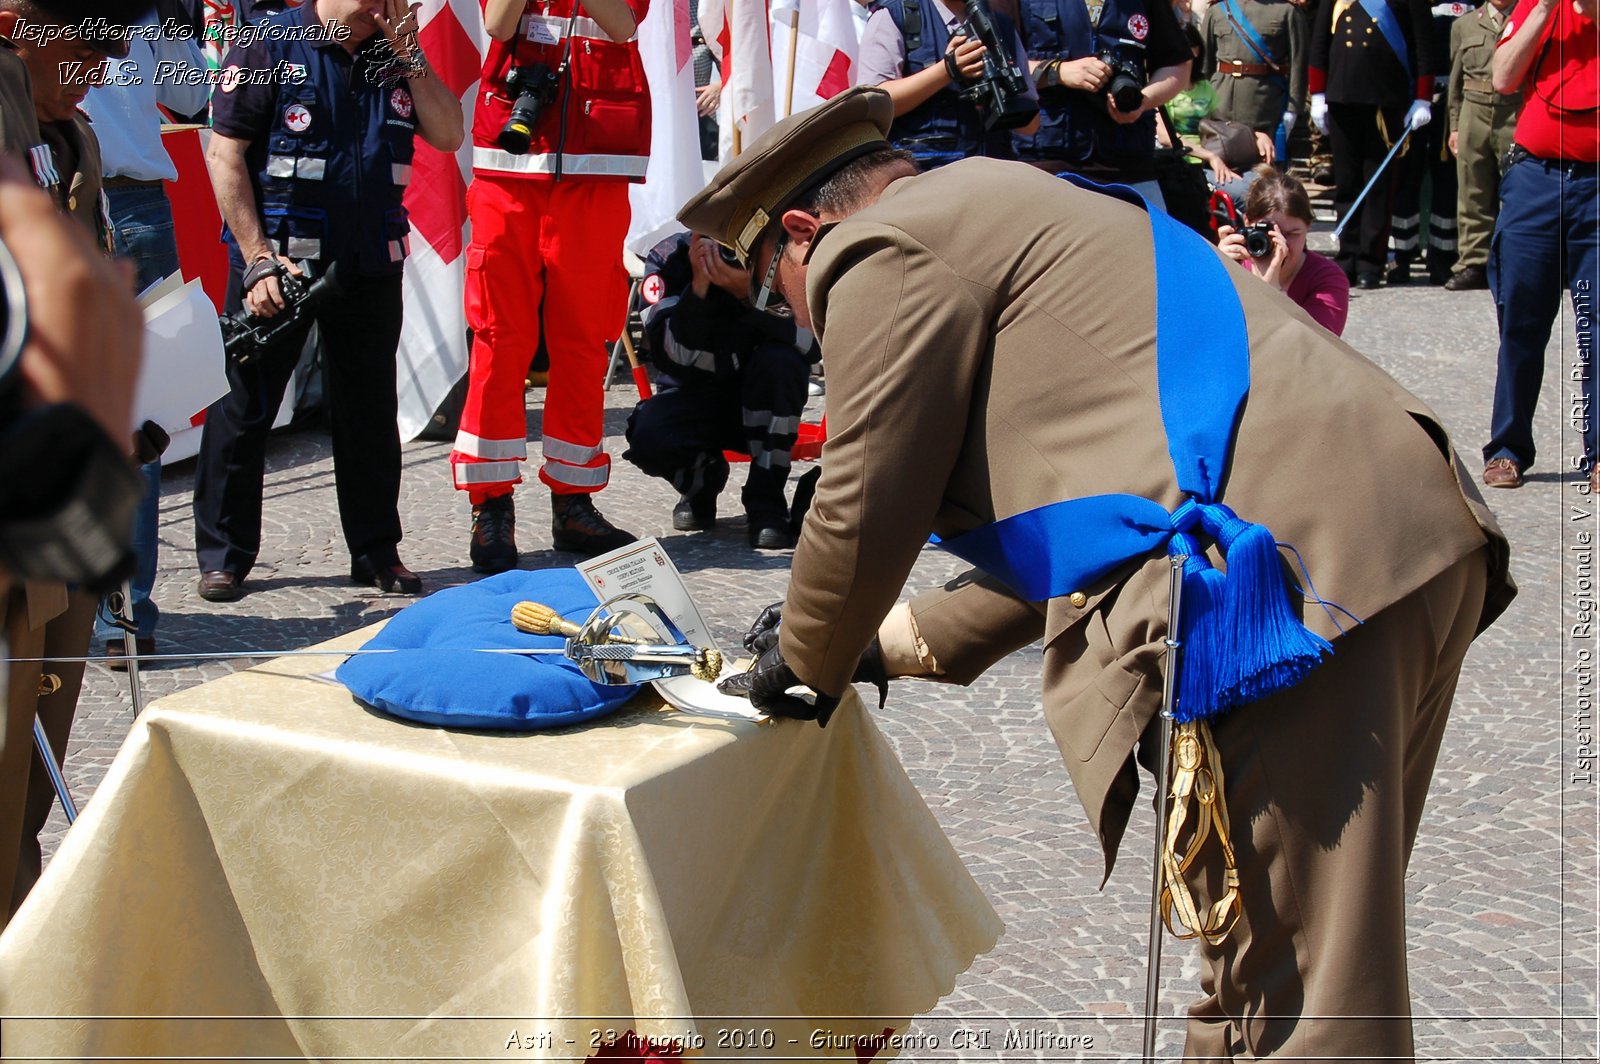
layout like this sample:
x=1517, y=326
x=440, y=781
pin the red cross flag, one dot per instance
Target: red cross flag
x=813, y=52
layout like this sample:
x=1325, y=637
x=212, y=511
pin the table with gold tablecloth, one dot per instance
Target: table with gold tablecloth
x=271, y=870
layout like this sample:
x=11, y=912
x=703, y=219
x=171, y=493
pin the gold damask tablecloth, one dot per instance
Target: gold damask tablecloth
x=271, y=870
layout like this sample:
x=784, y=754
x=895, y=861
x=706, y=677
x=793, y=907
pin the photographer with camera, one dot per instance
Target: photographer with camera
x=562, y=127
x=68, y=490
x=1101, y=77
x=729, y=378
x=314, y=168
x=1272, y=245
x=957, y=73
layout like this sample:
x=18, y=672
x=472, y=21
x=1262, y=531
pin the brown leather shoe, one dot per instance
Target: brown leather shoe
x=1502, y=473
x=1467, y=279
x=219, y=585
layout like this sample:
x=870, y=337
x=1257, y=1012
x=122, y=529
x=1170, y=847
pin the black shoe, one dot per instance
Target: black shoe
x=771, y=538
x=117, y=651
x=1399, y=273
x=219, y=585
x=386, y=578
x=1368, y=281
x=695, y=513
x=494, y=536
x=1467, y=278
x=578, y=527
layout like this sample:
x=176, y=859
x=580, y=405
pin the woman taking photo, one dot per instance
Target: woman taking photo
x=1279, y=203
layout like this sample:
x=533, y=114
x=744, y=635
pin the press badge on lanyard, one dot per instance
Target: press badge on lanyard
x=545, y=29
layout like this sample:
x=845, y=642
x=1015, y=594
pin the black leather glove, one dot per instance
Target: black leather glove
x=763, y=634
x=768, y=684
x=763, y=637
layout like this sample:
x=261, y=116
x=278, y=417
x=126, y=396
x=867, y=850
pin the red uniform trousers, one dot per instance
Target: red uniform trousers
x=550, y=251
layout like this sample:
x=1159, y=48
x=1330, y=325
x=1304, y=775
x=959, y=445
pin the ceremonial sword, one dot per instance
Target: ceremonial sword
x=1152, y=981
x=1350, y=212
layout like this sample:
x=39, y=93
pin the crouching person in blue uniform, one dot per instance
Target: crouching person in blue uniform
x=314, y=128
x=729, y=378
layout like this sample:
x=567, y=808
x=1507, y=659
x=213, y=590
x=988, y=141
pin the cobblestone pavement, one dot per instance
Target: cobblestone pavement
x=1502, y=885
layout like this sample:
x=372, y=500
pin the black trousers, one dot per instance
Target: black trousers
x=360, y=334
x=1358, y=147
x=679, y=434
x=1426, y=161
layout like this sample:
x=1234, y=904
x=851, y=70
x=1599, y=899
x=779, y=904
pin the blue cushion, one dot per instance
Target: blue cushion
x=454, y=684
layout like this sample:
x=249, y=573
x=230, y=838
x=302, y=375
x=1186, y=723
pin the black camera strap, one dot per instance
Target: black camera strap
x=563, y=81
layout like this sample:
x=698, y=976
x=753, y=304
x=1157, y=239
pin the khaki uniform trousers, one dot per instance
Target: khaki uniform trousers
x=1325, y=788
x=25, y=790
x=1484, y=133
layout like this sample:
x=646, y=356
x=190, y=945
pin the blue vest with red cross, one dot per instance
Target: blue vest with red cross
x=331, y=172
x=1073, y=125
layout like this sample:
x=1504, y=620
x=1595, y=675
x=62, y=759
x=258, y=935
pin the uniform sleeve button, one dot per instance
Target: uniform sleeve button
x=1078, y=599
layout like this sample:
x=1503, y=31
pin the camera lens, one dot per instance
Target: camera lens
x=13, y=319
x=1258, y=240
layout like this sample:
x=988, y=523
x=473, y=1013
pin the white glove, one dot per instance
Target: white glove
x=1319, y=111
x=1289, y=118
x=1419, y=115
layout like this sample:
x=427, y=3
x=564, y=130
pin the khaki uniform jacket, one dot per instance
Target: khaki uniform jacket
x=982, y=369
x=1472, y=43
x=19, y=137
x=1257, y=100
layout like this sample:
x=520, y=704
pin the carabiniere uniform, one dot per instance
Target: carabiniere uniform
x=1371, y=58
x=1427, y=161
x=1484, y=122
x=1252, y=88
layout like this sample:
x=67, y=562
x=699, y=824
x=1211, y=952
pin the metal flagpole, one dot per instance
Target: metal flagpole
x=1351, y=212
x=1152, y=983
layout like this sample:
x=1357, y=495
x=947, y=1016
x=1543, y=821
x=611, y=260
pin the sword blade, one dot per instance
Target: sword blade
x=230, y=655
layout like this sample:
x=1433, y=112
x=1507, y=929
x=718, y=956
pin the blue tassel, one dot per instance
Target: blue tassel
x=1204, y=640
x=1269, y=650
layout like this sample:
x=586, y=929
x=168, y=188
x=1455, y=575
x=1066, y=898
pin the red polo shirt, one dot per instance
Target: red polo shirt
x=1560, y=97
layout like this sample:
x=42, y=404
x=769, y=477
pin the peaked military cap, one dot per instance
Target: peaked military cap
x=794, y=155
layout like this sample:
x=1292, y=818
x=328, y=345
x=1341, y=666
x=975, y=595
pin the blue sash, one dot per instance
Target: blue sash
x=1381, y=14
x=1242, y=640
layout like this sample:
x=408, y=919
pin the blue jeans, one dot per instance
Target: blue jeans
x=142, y=230
x=1544, y=239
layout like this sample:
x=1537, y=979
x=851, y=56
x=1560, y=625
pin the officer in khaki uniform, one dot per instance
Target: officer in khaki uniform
x=936, y=338
x=1260, y=91
x=40, y=123
x=1482, y=123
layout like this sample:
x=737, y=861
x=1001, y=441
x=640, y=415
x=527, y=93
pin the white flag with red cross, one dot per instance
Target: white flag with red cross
x=675, y=172
x=738, y=33
x=820, y=60
x=433, y=341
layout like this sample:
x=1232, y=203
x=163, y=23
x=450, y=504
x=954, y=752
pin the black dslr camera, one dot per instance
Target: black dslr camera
x=67, y=495
x=245, y=337
x=1258, y=240
x=1000, y=94
x=532, y=89
x=1127, y=81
